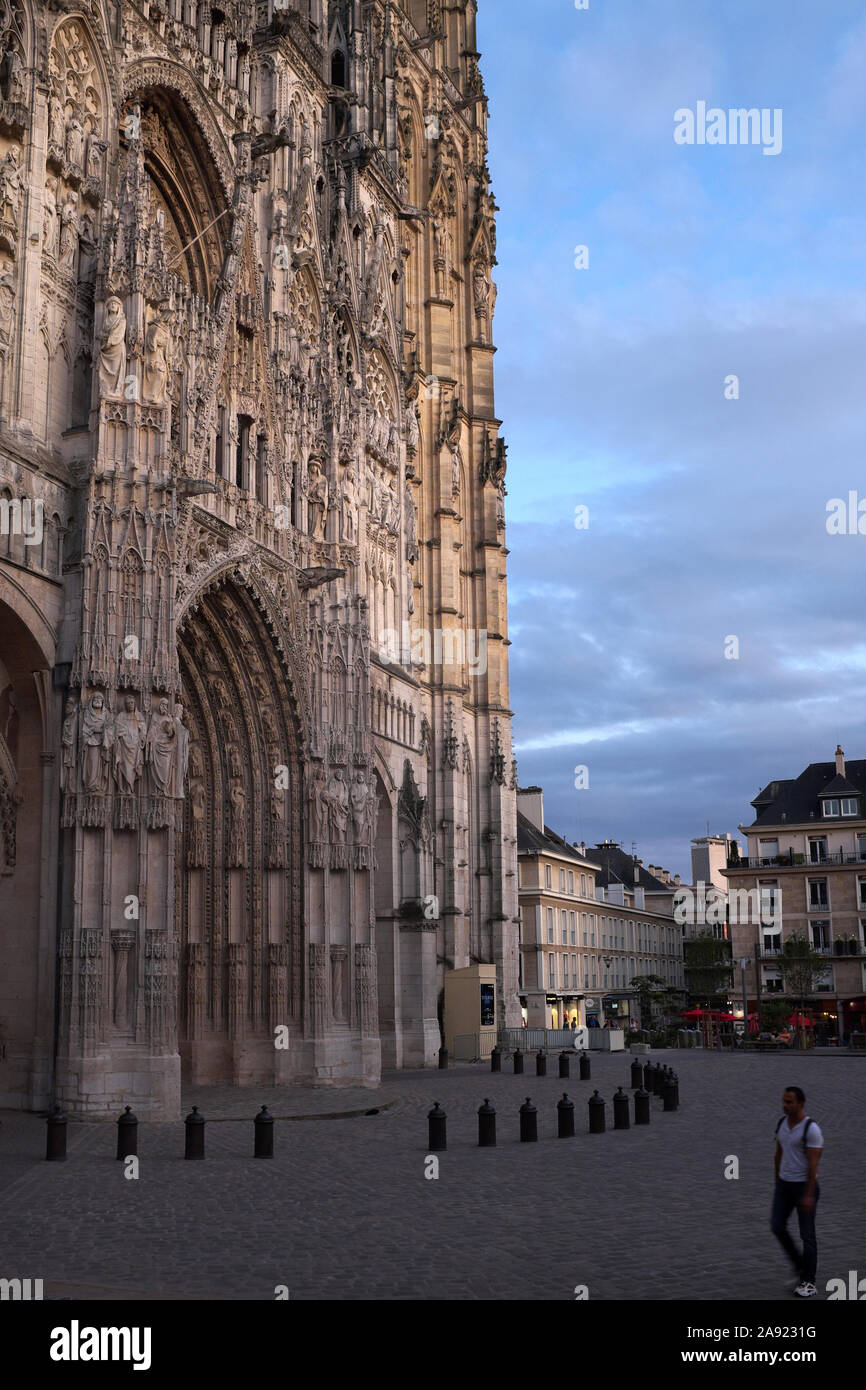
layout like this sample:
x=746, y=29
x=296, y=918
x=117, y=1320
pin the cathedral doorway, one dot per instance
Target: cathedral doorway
x=240, y=852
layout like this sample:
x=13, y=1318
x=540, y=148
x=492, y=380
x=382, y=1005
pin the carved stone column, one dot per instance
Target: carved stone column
x=122, y=942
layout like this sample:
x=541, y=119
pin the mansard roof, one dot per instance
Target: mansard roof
x=798, y=799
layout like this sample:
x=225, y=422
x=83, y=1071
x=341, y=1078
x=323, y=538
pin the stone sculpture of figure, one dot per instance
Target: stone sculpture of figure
x=10, y=186
x=392, y=513
x=411, y=526
x=56, y=121
x=96, y=745
x=197, y=852
x=480, y=287
x=68, y=740
x=338, y=802
x=455, y=469
x=349, y=505
x=10, y=72
x=157, y=346
x=129, y=736
x=182, y=750
x=94, y=157
x=112, y=355
x=237, y=827
x=317, y=798
x=68, y=233
x=7, y=303
x=161, y=749
x=413, y=429
x=318, y=496
x=359, y=796
x=49, y=217
x=75, y=140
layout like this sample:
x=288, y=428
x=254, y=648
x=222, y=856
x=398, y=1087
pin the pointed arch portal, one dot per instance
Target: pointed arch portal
x=240, y=853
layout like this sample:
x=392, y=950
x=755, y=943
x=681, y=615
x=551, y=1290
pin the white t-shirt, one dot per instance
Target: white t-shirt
x=794, y=1165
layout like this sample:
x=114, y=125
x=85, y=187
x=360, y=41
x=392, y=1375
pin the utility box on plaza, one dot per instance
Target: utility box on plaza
x=470, y=1005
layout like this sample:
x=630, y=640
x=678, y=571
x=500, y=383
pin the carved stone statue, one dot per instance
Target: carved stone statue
x=182, y=750
x=161, y=749
x=95, y=745
x=413, y=429
x=359, y=796
x=317, y=797
x=157, y=348
x=197, y=852
x=411, y=525
x=338, y=803
x=10, y=186
x=237, y=825
x=349, y=506
x=112, y=356
x=75, y=141
x=7, y=303
x=129, y=737
x=68, y=742
x=56, y=121
x=49, y=217
x=318, y=498
x=68, y=232
x=480, y=287
x=10, y=73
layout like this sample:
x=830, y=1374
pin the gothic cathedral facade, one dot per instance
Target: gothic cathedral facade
x=256, y=781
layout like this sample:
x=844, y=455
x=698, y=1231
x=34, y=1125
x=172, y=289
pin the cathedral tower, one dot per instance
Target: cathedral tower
x=256, y=791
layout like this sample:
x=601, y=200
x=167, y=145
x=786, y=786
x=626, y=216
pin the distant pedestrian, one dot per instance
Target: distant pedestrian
x=573, y=1024
x=799, y=1142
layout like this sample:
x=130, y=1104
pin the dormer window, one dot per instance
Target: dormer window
x=830, y=807
x=849, y=805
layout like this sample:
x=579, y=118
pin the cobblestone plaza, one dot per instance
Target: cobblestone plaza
x=344, y=1211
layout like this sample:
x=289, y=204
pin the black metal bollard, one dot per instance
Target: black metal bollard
x=486, y=1126
x=443, y=1058
x=641, y=1107
x=55, y=1148
x=677, y=1086
x=669, y=1094
x=564, y=1059
x=620, y=1110
x=263, y=1129
x=518, y=1062
x=436, y=1137
x=528, y=1123
x=648, y=1077
x=496, y=1060
x=127, y=1134
x=596, y=1114
x=636, y=1075
x=565, y=1117
x=540, y=1063
x=659, y=1080
x=194, y=1134
x=585, y=1071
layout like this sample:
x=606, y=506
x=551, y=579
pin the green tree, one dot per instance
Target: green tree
x=708, y=968
x=802, y=969
x=655, y=995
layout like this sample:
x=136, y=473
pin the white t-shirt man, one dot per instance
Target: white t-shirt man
x=794, y=1164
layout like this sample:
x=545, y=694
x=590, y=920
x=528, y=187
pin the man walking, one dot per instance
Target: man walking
x=799, y=1142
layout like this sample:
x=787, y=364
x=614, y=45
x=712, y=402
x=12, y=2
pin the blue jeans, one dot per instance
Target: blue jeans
x=786, y=1197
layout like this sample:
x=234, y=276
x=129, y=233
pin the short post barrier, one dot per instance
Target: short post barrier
x=436, y=1129
x=565, y=1117
x=263, y=1131
x=636, y=1075
x=55, y=1145
x=518, y=1062
x=443, y=1058
x=585, y=1069
x=127, y=1134
x=641, y=1107
x=669, y=1094
x=620, y=1110
x=496, y=1059
x=540, y=1063
x=596, y=1114
x=528, y=1123
x=486, y=1126
x=564, y=1063
x=194, y=1124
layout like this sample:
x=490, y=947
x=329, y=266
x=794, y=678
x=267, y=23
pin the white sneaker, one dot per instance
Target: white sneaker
x=805, y=1289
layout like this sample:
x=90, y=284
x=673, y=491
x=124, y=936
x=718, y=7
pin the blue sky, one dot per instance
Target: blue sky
x=707, y=516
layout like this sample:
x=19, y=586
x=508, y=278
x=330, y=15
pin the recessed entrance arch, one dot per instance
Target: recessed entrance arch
x=240, y=856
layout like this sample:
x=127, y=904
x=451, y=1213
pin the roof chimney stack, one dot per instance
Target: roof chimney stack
x=840, y=760
x=530, y=803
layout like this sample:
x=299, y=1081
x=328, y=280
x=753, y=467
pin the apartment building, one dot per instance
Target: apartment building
x=591, y=919
x=806, y=869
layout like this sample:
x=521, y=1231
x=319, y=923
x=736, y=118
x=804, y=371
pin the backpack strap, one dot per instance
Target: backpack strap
x=806, y=1133
x=779, y=1126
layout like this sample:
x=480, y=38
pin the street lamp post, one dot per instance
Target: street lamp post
x=744, y=961
x=607, y=962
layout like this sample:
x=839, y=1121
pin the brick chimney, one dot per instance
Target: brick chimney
x=840, y=760
x=530, y=803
